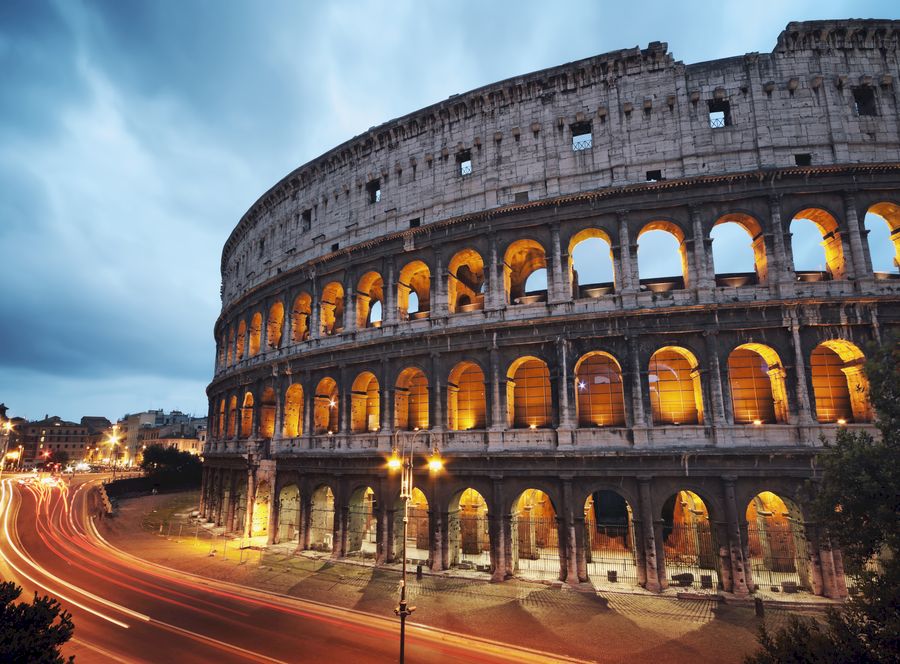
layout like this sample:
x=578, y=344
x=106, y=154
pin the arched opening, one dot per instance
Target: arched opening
x=289, y=514
x=465, y=397
x=689, y=543
x=300, y=314
x=321, y=519
x=591, y=271
x=468, y=534
x=255, y=334
x=776, y=544
x=220, y=352
x=465, y=284
x=417, y=538
x=756, y=379
x=840, y=386
x=267, y=413
x=365, y=411
x=369, y=296
x=675, y=393
x=220, y=428
x=229, y=356
x=331, y=309
x=361, y=524
x=535, y=537
x=523, y=259
x=239, y=513
x=275, y=325
x=247, y=416
x=325, y=412
x=610, y=541
x=411, y=400
x=529, y=402
x=232, y=418
x=241, y=338
x=414, y=291
x=598, y=386
x=816, y=246
x=739, y=251
x=293, y=411
x=882, y=224
x=259, y=519
x=662, y=257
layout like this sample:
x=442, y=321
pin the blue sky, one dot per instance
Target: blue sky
x=133, y=136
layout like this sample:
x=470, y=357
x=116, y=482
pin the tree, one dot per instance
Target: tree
x=32, y=632
x=58, y=456
x=858, y=500
x=157, y=458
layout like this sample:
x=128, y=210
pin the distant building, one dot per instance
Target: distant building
x=54, y=434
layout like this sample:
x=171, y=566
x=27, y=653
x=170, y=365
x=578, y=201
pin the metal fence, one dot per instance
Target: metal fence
x=691, y=556
x=773, y=556
x=470, y=544
x=361, y=531
x=535, y=547
x=610, y=554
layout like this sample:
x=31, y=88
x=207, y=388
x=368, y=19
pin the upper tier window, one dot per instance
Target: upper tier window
x=864, y=100
x=581, y=136
x=464, y=162
x=719, y=113
x=373, y=189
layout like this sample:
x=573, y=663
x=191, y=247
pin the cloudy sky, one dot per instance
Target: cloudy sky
x=133, y=136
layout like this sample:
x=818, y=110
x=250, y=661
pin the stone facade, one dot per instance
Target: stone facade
x=458, y=204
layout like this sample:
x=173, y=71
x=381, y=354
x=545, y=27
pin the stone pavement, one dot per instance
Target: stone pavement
x=604, y=626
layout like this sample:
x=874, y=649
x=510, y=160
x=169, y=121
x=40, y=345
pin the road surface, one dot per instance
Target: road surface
x=129, y=610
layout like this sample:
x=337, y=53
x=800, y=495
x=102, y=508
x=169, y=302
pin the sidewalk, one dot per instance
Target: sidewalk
x=601, y=626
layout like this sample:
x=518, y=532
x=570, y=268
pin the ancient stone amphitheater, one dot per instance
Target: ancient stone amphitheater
x=473, y=281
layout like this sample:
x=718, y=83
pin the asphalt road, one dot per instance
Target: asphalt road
x=129, y=610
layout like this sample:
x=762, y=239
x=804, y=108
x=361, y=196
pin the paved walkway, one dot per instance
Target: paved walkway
x=601, y=626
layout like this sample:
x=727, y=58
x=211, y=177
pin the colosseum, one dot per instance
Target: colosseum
x=472, y=282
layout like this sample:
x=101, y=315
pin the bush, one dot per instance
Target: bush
x=32, y=632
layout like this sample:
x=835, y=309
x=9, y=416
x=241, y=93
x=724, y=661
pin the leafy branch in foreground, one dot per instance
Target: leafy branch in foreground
x=33, y=632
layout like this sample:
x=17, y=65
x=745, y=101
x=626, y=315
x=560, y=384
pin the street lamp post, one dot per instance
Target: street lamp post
x=7, y=429
x=404, y=463
x=113, y=441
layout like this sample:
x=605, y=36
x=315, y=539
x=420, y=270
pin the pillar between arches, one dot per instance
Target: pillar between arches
x=568, y=537
x=655, y=570
x=737, y=563
x=274, y=509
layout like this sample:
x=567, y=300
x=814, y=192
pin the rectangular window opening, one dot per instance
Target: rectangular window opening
x=864, y=99
x=373, y=189
x=415, y=223
x=654, y=176
x=803, y=159
x=521, y=197
x=336, y=246
x=307, y=220
x=582, y=139
x=719, y=113
x=464, y=162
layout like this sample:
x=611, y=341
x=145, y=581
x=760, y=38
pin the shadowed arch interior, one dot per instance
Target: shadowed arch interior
x=369, y=292
x=332, y=309
x=300, y=314
x=255, y=334
x=465, y=282
x=275, y=325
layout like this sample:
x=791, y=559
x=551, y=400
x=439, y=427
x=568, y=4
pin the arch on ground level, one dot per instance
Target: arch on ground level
x=885, y=263
x=522, y=259
x=465, y=282
x=417, y=529
x=776, y=543
x=293, y=411
x=289, y=514
x=238, y=508
x=466, y=403
x=535, y=537
x=840, y=386
x=600, y=398
x=275, y=325
x=690, y=549
x=321, y=519
x=220, y=424
x=369, y=292
x=414, y=291
x=411, y=400
x=300, y=315
x=757, y=381
x=232, y=417
x=468, y=531
x=267, y=413
x=362, y=523
x=739, y=251
x=331, y=309
x=817, y=254
x=659, y=242
x=247, y=415
x=241, y=340
x=365, y=404
x=255, y=334
x=326, y=409
x=229, y=356
x=610, y=540
x=675, y=392
x=529, y=400
x=591, y=268
x=259, y=519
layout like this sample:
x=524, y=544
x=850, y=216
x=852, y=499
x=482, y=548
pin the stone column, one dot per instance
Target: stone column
x=862, y=262
x=439, y=304
x=637, y=397
x=251, y=501
x=705, y=274
x=655, y=568
x=495, y=288
x=389, y=311
x=781, y=270
x=715, y=379
x=497, y=422
x=305, y=517
x=349, y=304
x=280, y=390
x=387, y=417
x=204, y=489
x=858, y=387
x=803, y=404
x=499, y=524
x=738, y=564
x=286, y=330
x=566, y=385
x=436, y=420
x=627, y=279
x=344, y=395
x=315, y=307
x=442, y=546
x=272, y=534
x=556, y=281
x=568, y=537
x=309, y=400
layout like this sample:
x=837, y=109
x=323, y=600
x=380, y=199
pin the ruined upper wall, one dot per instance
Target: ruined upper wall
x=647, y=112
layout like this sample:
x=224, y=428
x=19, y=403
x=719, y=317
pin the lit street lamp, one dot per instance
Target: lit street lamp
x=404, y=463
x=113, y=441
x=7, y=430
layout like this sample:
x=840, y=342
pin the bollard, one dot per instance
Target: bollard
x=160, y=528
x=418, y=572
x=760, y=608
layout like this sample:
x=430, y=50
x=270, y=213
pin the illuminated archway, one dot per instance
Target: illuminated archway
x=259, y=518
x=275, y=325
x=321, y=520
x=232, y=417
x=662, y=257
x=609, y=538
x=365, y=404
x=591, y=271
x=535, y=537
x=255, y=334
x=468, y=532
x=241, y=339
x=331, y=309
x=325, y=412
x=598, y=385
x=220, y=425
x=417, y=529
x=267, y=413
x=776, y=543
x=522, y=259
x=414, y=291
x=739, y=251
x=465, y=283
x=529, y=400
x=812, y=262
x=840, y=386
x=411, y=400
x=293, y=411
x=361, y=524
x=247, y=416
x=689, y=543
x=466, y=397
x=300, y=313
x=369, y=292
x=289, y=513
x=229, y=357
x=885, y=262
x=757, y=381
x=675, y=392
